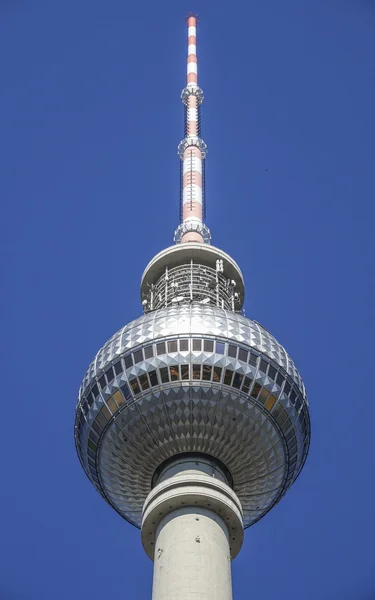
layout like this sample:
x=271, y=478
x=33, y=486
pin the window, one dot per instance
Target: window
x=148, y=352
x=196, y=371
x=290, y=435
x=279, y=379
x=263, y=395
x=228, y=376
x=217, y=374
x=143, y=381
x=128, y=361
x=263, y=365
x=197, y=345
x=256, y=390
x=153, y=378
x=237, y=380
x=242, y=355
x=84, y=407
x=109, y=374
x=207, y=372
x=138, y=356
x=101, y=420
x=208, y=345
x=246, y=384
x=298, y=404
x=253, y=358
x=92, y=445
x=220, y=348
x=270, y=403
x=118, y=397
x=134, y=385
x=184, y=371
x=118, y=367
x=112, y=405
x=105, y=412
x=173, y=371
x=184, y=345
x=94, y=436
x=272, y=372
x=287, y=387
x=172, y=346
x=102, y=382
x=96, y=427
x=232, y=351
x=95, y=390
x=293, y=396
x=164, y=375
x=90, y=400
x=125, y=391
x=160, y=348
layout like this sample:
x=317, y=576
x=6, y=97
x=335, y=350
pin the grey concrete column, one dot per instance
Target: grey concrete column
x=192, y=528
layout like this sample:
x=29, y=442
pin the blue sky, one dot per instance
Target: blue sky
x=91, y=119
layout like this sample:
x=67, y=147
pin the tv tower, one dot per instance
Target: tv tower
x=192, y=421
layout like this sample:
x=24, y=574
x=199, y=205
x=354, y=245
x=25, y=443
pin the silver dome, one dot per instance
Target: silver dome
x=192, y=379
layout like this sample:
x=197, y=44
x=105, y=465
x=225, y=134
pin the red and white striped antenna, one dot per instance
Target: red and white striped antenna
x=192, y=151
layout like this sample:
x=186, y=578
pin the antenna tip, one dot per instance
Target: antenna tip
x=192, y=15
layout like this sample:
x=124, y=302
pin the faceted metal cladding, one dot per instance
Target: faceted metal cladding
x=192, y=378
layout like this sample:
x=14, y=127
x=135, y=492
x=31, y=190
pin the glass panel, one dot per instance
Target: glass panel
x=160, y=348
x=94, y=436
x=263, y=365
x=279, y=379
x=228, y=376
x=293, y=396
x=96, y=427
x=287, y=387
x=255, y=391
x=84, y=407
x=253, y=358
x=102, y=382
x=290, y=435
x=105, y=412
x=263, y=395
x=217, y=373
x=101, y=420
x=237, y=380
x=272, y=372
x=92, y=445
x=242, y=355
x=298, y=404
x=232, y=351
x=148, y=352
x=246, y=384
x=128, y=361
x=196, y=371
x=184, y=345
x=172, y=346
x=118, y=397
x=164, y=375
x=153, y=378
x=220, y=347
x=118, y=367
x=208, y=345
x=173, y=371
x=90, y=400
x=109, y=374
x=125, y=391
x=184, y=371
x=197, y=345
x=207, y=369
x=138, y=356
x=134, y=385
x=144, y=381
x=270, y=402
x=112, y=405
x=95, y=390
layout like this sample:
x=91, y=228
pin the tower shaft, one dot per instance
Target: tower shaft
x=192, y=528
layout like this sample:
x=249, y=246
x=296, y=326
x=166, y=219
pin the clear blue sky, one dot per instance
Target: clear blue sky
x=91, y=119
